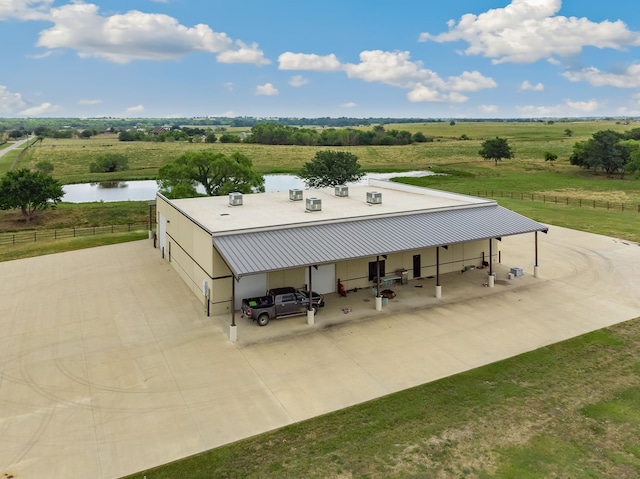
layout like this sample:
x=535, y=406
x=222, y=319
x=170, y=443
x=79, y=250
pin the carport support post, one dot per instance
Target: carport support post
x=438, y=286
x=491, y=278
x=378, y=292
x=536, y=268
x=233, y=329
x=310, y=315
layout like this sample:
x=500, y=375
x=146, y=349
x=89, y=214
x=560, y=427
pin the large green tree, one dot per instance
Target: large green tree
x=605, y=150
x=217, y=173
x=29, y=191
x=495, y=149
x=331, y=168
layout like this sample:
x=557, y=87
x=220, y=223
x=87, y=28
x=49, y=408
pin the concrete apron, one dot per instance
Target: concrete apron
x=109, y=366
x=361, y=305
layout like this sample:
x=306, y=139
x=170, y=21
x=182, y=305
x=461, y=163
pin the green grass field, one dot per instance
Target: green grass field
x=529, y=141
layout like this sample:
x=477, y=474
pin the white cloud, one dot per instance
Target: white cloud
x=629, y=78
x=25, y=9
x=135, y=109
x=424, y=93
x=308, y=61
x=89, y=102
x=298, y=81
x=528, y=86
x=135, y=35
x=244, y=54
x=229, y=86
x=567, y=108
x=40, y=110
x=583, y=106
x=488, y=108
x=267, y=89
x=526, y=31
x=349, y=104
x=10, y=102
x=395, y=69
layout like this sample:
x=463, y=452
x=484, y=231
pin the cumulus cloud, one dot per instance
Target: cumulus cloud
x=267, y=89
x=528, y=86
x=135, y=35
x=298, y=81
x=40, y=110
x=135, y=109
x=10, y=102
x=628, y=78
x=244, y=54
x=349, y=104
x=526, y=31
x=396, y=69
x=567, y=108
x=308, y=61
x=25, y=9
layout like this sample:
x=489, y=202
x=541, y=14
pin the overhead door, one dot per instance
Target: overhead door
x=323, y=279
x=249, y=287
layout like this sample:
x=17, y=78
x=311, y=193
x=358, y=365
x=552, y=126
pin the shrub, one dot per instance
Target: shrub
x=109, y=163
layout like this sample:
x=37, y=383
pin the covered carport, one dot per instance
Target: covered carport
x=311, y=245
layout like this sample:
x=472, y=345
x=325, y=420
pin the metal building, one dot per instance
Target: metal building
x=229, y=248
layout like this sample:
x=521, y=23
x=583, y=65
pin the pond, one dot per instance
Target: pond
x=144, y=190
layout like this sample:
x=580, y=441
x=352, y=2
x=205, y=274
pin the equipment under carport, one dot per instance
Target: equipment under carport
x=517, y=272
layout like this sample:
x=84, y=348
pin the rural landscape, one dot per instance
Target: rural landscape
x=568, y=410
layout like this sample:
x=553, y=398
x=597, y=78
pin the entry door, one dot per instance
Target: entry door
x=416, y=266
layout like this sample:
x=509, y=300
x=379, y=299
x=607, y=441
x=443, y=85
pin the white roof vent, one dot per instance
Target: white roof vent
x=374, y=197
x=295, y=195
x=342, y=190
x=314, y=204
x=235, y=199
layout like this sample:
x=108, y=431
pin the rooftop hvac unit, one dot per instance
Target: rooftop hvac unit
x=235, y=199
x=314, y=204
x=374, y=197
x=295, y=195
x=342, y=190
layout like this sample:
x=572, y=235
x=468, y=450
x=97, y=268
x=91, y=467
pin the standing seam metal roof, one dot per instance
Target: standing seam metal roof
x=274, y=250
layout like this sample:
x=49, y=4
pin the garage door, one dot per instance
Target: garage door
x=324, y=278
x=250, y=286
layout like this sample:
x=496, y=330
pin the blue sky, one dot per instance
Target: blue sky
x=354, y=58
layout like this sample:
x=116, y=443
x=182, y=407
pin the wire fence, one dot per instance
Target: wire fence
x=31, y=236
x=560, y=200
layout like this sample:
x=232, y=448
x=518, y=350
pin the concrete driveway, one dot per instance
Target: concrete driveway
x=108, y=364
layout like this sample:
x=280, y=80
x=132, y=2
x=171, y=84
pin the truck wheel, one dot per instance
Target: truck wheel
x=315, y=310
x=263, y=319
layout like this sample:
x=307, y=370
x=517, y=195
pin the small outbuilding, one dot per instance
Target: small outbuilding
x=229, y=248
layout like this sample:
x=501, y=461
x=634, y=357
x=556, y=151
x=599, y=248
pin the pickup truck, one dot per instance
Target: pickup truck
x=278, y=303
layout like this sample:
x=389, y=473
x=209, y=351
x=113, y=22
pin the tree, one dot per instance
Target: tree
x=110, y=162
x=30, y=191
x=230, y=138
x=548, y=156
x=331, y=168
x=568, y=132
x=218, y=174
x=210, y=138
x=604, y=150
x=495, y=149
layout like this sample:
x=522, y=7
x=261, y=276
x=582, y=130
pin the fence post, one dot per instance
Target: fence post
x=34, y=236
x=580, y=203
x=607, y=206
x=567, y=201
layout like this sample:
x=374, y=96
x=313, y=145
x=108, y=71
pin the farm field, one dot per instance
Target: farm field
x=529, y=142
